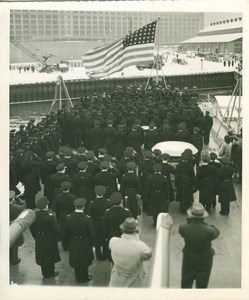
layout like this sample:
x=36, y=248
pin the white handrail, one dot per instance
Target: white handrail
x=159, y=272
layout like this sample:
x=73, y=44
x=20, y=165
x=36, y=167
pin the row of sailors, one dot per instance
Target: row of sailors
x=131, y=176
x=114, y=141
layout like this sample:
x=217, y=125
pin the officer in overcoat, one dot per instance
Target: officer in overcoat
x=96, y=137
x=205, y=183
x=120, y=141
x=46, y=233
x=83, y=183
x=185, y=183
x=79, y=235
x=158, y=193
x=145, y=171
x=48, y=167
x=96, y=211
x=114, y=217
x=151, y=137
x=196, y=139
x=92, y=164
x=136, y=140
x=197, y=252
x=208, y=124
x=70, y=162
x=131, y=189
x=181, y=134
x=56, y=179
x=224, y=181
x=107, y=178
x=167, y=170
x=109, y=137
x=63, y=205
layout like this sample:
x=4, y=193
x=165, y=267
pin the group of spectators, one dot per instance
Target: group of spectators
x=97, y=158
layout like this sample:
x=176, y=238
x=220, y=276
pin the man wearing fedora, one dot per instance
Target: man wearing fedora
x=128, y=254
x=197, y=252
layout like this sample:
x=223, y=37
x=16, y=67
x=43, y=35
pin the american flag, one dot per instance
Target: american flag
x=136, y=48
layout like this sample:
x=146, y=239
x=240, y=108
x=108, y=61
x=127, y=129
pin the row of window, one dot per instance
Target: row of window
x=89, y=19
x=113, y=25
x=113, y=29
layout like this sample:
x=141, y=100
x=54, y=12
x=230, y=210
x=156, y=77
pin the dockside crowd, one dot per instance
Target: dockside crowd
x=97, y=157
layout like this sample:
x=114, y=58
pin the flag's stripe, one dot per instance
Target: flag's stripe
x=149, y=56
x=96, y=60
x=92, y=59
x=112, y=57
x=126, y=54
x=102, y=49
x=124, y=62
x=120, y=67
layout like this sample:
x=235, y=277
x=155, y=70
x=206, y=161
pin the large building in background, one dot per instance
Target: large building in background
x=53, y=25
x=223, y=36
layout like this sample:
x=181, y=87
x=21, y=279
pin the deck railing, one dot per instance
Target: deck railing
x=159, y=272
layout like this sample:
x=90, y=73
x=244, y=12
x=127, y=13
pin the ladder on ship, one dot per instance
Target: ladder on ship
x=25, y=50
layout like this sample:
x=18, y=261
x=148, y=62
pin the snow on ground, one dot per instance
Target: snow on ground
x=194, y=66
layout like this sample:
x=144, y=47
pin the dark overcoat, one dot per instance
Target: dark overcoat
x=185, y=183
x=158, y=194
x=55, y=183
x=71, y=166
x=167, y=170
x=107, y=179
x=120, y=143
x=79, y=235
x=109, y=140
x=151, y=138
x=113, y=218
x=136, y=140
x=48, y=168
x=224, y=184
x=197, y=252
x=63, y=205
x=96, y=139
x=96, y=211
x=130, y=186
x=45, y=231
x=145, y=171
x=205, y=183
x=83, y=185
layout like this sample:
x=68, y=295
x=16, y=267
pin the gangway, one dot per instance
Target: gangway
x=25, y=50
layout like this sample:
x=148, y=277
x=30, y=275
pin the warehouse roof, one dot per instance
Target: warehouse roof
x=218, y=38
x=222, y=26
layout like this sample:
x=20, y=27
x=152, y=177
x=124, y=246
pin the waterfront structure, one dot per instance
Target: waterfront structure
x=220, y=37
x=55, y=25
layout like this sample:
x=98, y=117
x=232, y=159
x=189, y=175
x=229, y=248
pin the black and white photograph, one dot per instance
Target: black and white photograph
x=123, y=141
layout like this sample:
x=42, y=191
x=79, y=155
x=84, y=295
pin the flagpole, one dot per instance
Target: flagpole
x=157, y=54
x=155, y=62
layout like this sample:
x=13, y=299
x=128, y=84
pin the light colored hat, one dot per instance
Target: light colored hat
x=197, y=211
x=130, y=225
